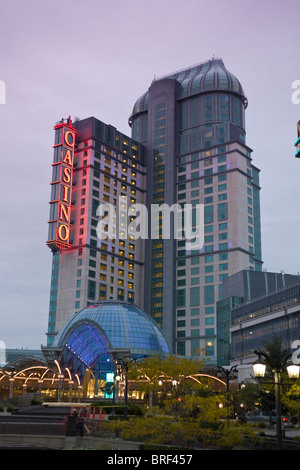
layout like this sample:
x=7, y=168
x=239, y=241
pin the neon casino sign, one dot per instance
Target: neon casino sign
x=61, y=186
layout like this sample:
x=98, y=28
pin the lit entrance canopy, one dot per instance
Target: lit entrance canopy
x=93, y=336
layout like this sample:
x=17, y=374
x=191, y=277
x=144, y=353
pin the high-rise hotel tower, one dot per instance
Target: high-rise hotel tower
x=193, y=125
x=93, y=165
x=187, y=146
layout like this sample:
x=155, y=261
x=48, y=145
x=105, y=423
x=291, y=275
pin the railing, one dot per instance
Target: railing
x=33, y=425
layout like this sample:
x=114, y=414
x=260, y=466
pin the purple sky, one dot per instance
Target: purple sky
x=92, y=57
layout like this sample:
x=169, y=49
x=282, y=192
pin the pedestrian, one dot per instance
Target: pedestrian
x=81, y=424
x=75, y=414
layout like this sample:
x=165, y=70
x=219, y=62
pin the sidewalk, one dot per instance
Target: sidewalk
x=287, y=432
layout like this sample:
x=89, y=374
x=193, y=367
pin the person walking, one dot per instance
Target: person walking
x=81, y=424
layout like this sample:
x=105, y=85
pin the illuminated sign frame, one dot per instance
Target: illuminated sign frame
x=61, y=186
x=297, y=143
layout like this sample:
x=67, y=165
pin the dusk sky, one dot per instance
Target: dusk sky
x=95, y=58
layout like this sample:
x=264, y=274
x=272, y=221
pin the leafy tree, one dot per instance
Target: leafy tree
x=274, y=353
x=291, y=401
x=169, y=374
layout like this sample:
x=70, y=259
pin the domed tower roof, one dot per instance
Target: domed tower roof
x=108, y=326
x=209, y=76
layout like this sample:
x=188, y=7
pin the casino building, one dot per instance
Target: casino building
x=187, y=146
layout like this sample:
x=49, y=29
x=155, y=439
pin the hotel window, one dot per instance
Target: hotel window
x=209, y=348
x=208, y=190
x=195, y=333
x=223, y=236
x=222, y=211
x=180, y=297
x=222, y=178
x=209, y=295
x=223, y=267
x=194, y=296
x=120, y=294
x=223, y=246
x=208, y=214
x=180, y=313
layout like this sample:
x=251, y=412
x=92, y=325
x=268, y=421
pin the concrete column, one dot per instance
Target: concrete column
x=70, y=390
x=40, y=382
x=11, y=387
x=60, y=379
x=79, y=393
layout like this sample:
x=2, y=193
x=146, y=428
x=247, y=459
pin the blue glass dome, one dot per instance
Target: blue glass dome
x=109, y=326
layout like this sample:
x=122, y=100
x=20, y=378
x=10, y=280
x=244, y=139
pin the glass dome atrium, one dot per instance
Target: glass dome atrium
x=205, y=77
x=99, y=333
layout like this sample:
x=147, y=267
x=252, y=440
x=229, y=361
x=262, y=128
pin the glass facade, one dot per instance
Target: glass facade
x=273, y=315
x=224, y=309
x=53, y=295
x=158, y=191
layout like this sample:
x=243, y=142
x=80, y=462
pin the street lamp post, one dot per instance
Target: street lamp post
x=259, y=369
x=232, y=372
x=124, y=363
